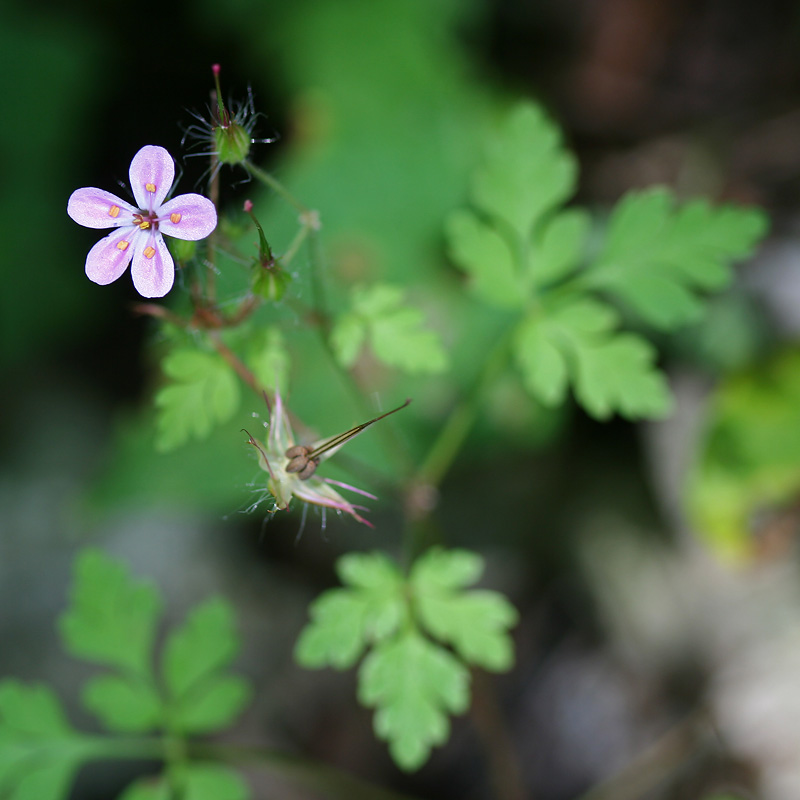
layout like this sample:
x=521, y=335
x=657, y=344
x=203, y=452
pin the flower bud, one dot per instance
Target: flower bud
x=270, y=282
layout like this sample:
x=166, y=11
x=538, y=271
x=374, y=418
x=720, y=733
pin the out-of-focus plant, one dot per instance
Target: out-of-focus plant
x=580, y=303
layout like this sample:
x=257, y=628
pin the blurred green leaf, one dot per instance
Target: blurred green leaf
x=526, y=171
x=487, y=258
x=111, y=619
x=474, y=622
x=413, y=684
x=203, y=392
x=557, y=246
x=394, y=329
x=269, y=359
x=195, y=656
x=39, y=751
x=195, y=781
x=344, y=621
x=610, y=371
x=658, y=258
x=748, y=462
x=123, y=703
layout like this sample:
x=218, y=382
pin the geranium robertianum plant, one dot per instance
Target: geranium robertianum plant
x=556, y=280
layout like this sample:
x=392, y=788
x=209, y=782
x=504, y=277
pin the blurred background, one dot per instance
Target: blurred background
x=650, y=663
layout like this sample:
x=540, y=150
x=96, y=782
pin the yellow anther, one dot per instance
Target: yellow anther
x=123, y=245
x=151, y=187
x=144, y=224
x=175, y=217
x=149, y=252
x=113, y=211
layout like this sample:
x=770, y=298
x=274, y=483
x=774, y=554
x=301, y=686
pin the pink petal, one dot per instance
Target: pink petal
x=153, y=276
x=94, y=208
x=196, y=217
x=106, y=260
x=151, y=166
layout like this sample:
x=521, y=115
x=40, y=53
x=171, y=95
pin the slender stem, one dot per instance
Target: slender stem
x=658, y=761
x=276, y=186
x=236, y=363
x=310, y=227
x=452, y=436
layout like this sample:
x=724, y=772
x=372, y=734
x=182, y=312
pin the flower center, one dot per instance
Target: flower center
x=144, y=221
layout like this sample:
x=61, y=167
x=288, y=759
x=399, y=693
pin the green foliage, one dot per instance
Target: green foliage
x=269, y=359
x=204, y=391
x=111, y=621
x=526, y=254
x=656, y=258
x=203, y=697
x=394, y=330
x=197, y=781
x=748, y=462
x=39, y=751
x=409, y=676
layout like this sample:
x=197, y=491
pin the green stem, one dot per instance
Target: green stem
x=451, y=437
x=310, y=227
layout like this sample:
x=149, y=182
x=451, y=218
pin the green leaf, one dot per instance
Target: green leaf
x=526, y=173
x=123, y=704
x=214, y=704
x=486, y=257
x=748, y=460
x=557, y=246
x=203, y=392
x=413, y=684
x=268, y=359
x=195, y=781
x=39, y=751
x=344, y=621
x=195, y=656
x=474, y=622
x=610, y=371
x=658, y=258
x=347, y=338
x=447, y=569
x=618, y=374
x=111, y=618
x=395, y=331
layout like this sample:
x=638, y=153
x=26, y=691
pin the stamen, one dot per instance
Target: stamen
x=144, y=224
x=123, y=245
x=175, y=217
x=149, y=252
x=113, y=211
x=151, y=187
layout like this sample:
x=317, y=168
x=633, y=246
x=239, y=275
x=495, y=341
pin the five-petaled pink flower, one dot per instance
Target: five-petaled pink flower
x=138, y=233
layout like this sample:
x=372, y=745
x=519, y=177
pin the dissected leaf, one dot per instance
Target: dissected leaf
x=203, y=392
x=474, y=622
x=39, y=751
x=610, y=371
x=347, y=338
x=123, y=703
x=526, y=172
x=413, y=684
x=557, y=247
x=111, y=618
x=344, y=621
x=194, y=781
x=395, y=331
x=203, y=696
x=487, y=258
x=658, y=258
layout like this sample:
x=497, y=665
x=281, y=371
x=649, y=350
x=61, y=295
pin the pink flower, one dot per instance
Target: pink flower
x=138, y=231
